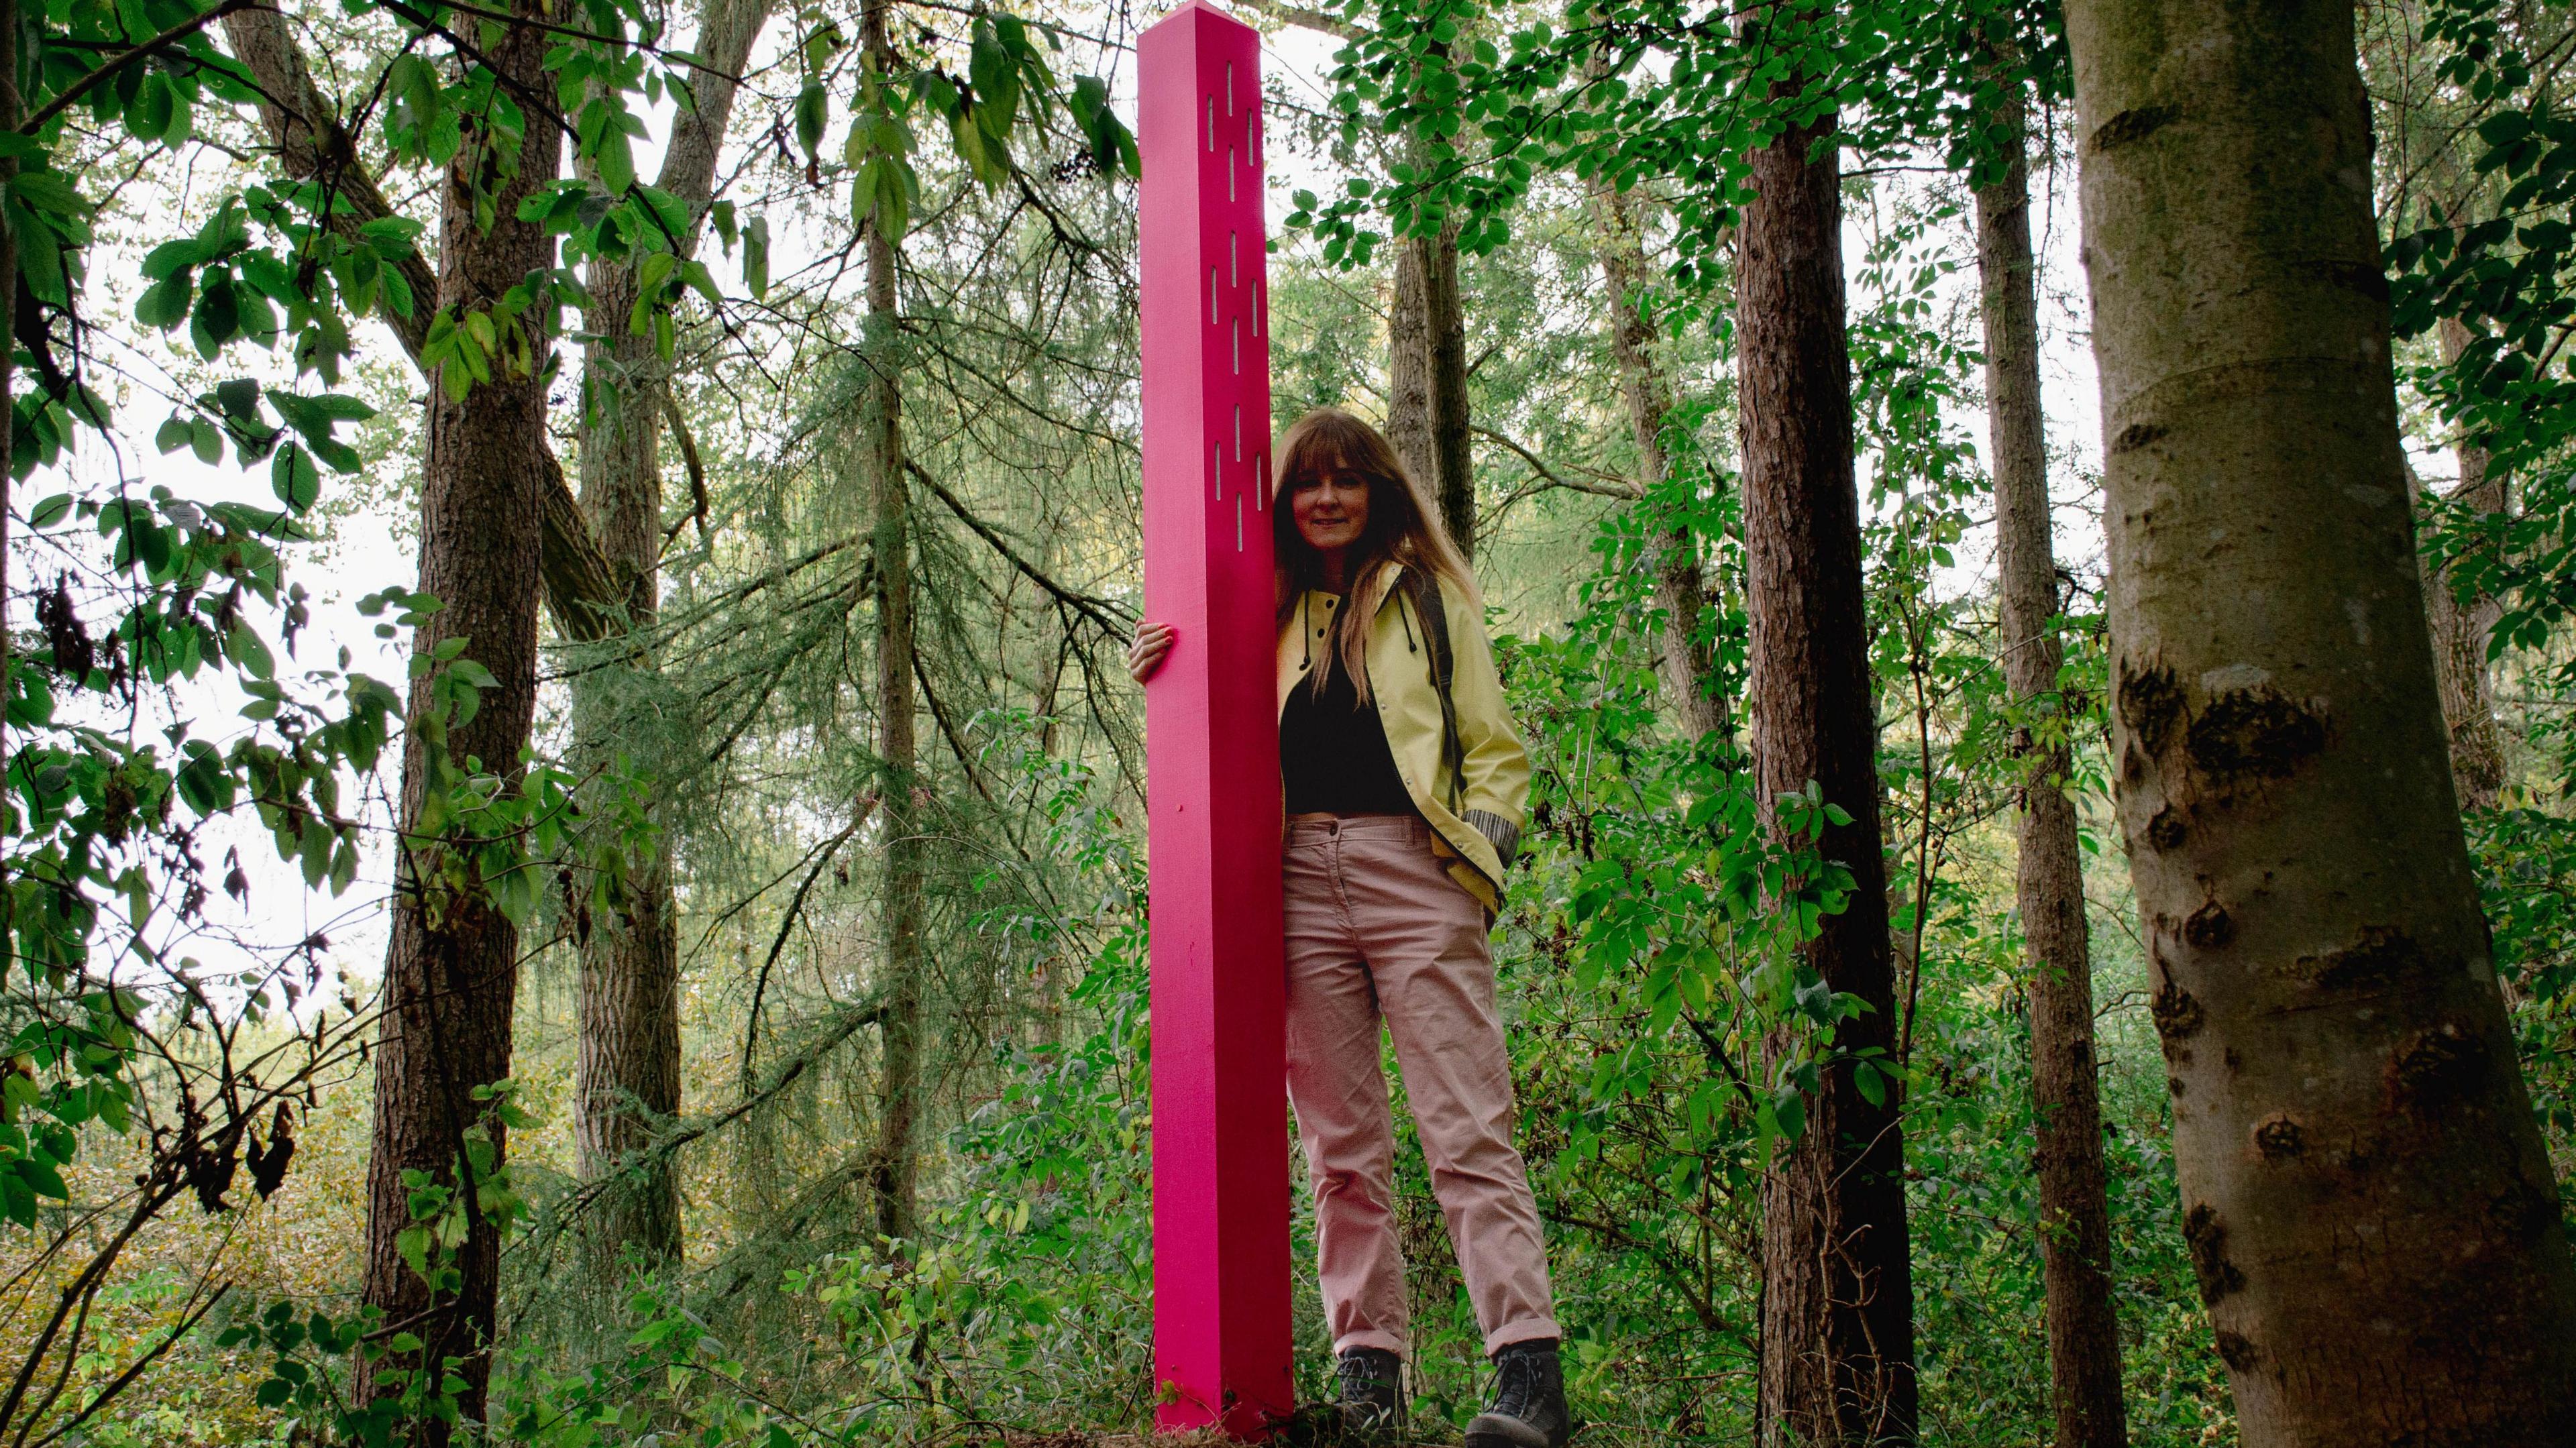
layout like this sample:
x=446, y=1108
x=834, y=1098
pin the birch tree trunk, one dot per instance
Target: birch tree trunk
x=451, y=965
x=1838, y=1298
x=1680, y=593
x=2074, y=1211
x=2370, y=1211
x=627, y=1074
x=893, y=1169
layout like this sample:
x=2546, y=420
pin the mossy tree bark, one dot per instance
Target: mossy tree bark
x=1838, y=1298
x=2369, y=1207
x=1453, y=451
x=2074, y=1211
x=627, y=1073
x=893, y=1167
x=2462, y=627
x=451, y=965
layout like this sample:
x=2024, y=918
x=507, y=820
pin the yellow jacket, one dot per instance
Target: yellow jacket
x=1476, y=816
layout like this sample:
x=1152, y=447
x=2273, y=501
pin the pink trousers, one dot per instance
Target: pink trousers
x=1376, y=928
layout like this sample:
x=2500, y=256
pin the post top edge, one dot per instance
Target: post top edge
x=1189, y=8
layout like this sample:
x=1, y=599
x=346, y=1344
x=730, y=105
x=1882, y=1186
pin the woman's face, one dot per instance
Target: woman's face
x=1332, y=509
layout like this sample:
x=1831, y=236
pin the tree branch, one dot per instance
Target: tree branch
x=108, y=68
x=1299, y=15
x=1111, y=617
x=787, y=925
x=1611, y=488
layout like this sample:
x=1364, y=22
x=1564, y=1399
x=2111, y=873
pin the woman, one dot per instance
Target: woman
x=1405, y=786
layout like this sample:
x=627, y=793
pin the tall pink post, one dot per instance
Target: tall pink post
x=1221, y=1323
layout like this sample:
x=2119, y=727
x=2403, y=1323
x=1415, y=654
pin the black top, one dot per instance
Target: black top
x=1332, y=750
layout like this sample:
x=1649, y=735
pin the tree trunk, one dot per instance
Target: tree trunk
x=2369, y=1207
x=1445, y=338
x=1408, y=369
x=627, y=1077
x=451, y=966
x=891, y=1173
x=1426, y=334
x=2461, y=631
x=303, y=125
x=1838, y=1296
x=1680, y=593
x=2075, y=1217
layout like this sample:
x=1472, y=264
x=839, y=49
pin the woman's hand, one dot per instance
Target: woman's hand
x=1146, y=652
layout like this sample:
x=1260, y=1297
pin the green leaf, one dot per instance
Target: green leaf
x=996, y=80
x=239, y=398
x=615, y=160
x=173, y=257
x=391, y=237
x=755, y=257
x=292, y=476
x=1789, y=1109
x=813, y=113
x=149, y=117
x=164, y=304
x=17, y=1199
x=251, y=652
x=1871, y=1085
x=413, y=1244
x=218, y=314
x=48, y=191
x=42, y=1177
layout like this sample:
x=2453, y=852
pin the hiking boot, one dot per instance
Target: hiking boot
x=1372, y=1395
x=1528, y=1406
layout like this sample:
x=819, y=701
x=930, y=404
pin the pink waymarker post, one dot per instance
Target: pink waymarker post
x=1221, y=1317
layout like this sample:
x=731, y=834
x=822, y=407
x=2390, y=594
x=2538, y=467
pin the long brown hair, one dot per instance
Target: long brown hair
x=1403, y=527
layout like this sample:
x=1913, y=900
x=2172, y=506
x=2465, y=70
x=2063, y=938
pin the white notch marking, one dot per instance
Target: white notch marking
x=1233, y=259
x=1235, y=334
x=1260, y=305
x=1238, y=432
x=1212, y=317
x=1229, y=87
x=1260, y=480
x=1229, y=173
x=1251, y=153
x=1216, y=457
x=1212, y=122
x=1238, y=523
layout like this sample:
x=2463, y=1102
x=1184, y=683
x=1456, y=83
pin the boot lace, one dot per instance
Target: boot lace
x=1518, y=1385
x=1361, y=1376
